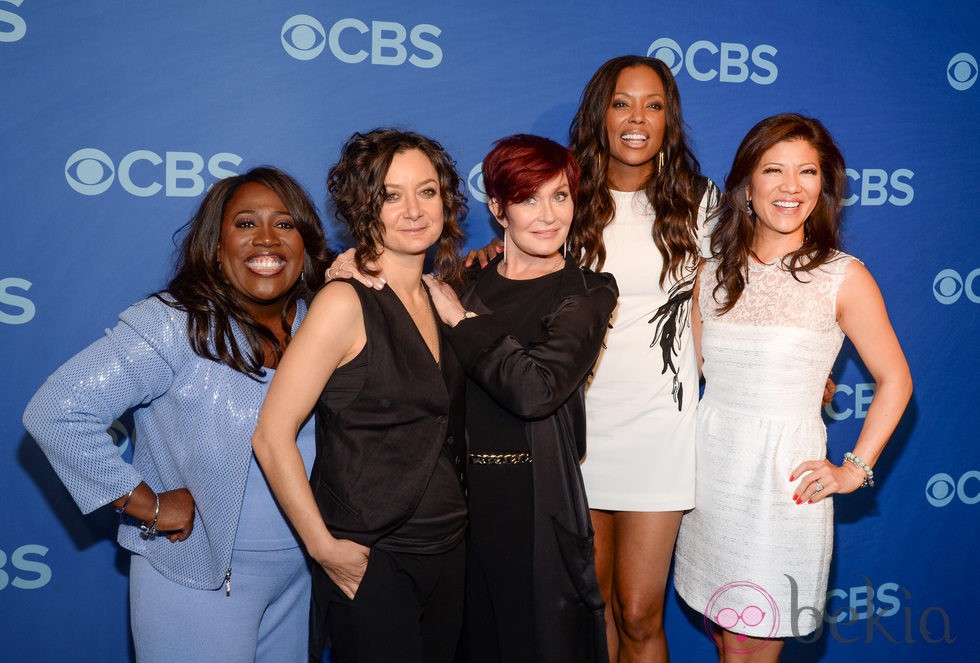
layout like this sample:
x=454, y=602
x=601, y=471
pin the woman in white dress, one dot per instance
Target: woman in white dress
x=774, y=304
x=640, y=215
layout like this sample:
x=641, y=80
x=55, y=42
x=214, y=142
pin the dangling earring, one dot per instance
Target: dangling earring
x=660, y=161
x=219, y=264
x=505, y=247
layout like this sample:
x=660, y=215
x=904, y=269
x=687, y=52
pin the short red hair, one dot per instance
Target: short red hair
x=518, y=165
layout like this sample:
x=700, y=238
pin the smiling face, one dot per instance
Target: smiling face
x=636, y=120
x=412, y=212
x=260, y=250
x=784, y=189
x=537, y=227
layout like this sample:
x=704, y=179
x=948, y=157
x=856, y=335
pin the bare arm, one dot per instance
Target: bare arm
x=862, y=316
x=332, y=334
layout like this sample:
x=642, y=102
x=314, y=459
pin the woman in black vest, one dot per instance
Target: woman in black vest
x=527, y=330
x=386, y=513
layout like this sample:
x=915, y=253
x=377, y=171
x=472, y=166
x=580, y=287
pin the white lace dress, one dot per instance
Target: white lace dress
x=748, y=557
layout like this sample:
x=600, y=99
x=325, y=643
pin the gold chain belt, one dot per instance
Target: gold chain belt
x=500, y=459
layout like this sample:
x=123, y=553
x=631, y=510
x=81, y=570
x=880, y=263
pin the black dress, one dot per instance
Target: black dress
x=532, y=594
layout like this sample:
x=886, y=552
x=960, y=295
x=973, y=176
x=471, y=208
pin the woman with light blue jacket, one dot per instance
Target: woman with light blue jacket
x=216, y=572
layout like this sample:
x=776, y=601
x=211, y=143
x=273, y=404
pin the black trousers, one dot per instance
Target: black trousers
x=408, y=609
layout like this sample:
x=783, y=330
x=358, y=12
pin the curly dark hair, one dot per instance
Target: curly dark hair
x=357, y=191
x=213, y=306
x=734, y=233
x=671, y=192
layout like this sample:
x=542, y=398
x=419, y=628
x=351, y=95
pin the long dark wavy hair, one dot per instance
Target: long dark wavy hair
x=357, y=190
x=213, y=306
x=734, y=233
x=671, y=191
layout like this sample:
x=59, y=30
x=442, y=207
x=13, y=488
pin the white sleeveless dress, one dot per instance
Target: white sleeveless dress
x=640, y=405
x=748, y=557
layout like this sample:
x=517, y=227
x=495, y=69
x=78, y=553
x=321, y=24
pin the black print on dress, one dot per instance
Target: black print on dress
x=671, y=319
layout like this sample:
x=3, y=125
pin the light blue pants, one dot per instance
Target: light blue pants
x=266, y=618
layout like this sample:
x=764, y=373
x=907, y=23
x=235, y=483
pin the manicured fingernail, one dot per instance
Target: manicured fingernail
x=791, y=477
x=810, y=502
x=796, y=497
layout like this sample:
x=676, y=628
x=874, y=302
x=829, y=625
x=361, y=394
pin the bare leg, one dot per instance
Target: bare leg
x=743, y=649
x=643, y=549
x=604, y=524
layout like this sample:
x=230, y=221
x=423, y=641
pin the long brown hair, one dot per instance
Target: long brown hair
x=671, y=191
x=213, y=306
x=357, y=190
x=734, y=233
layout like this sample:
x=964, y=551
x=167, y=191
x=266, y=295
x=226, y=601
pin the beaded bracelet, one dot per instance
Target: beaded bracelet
x=869, y=480
x=150, y=531
x=122, y=509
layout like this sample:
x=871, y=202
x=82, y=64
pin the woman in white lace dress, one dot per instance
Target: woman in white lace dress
x=775, y=302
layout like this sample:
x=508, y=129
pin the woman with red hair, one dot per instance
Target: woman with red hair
x=527, y=331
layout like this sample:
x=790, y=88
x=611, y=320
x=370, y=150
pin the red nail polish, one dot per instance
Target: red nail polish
x=810, y=502
x=791, y=477
x=795, y=497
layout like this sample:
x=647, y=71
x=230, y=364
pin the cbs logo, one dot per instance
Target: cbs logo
x=879, y=187
x=13, y=27
x=91, y=172
x=24, y=570
x=949, y=286
x=861, y=393
x=862, y=601
x=942, y=488
x=728, y=62
x=352, y=41
x=22, y=308
x=961, y=71
x=474, y=181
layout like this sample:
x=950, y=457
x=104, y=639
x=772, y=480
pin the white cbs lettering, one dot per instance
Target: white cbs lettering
x=90, y=172
x=23, y=305
x=862, y=600
x=879, y=187
x=23, y=572
x=862, y=392
x=18, y=26
x=729, y=63
x=387, y=43
x=949, y=286
x=942, y=488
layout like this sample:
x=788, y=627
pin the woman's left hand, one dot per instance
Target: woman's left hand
x=445, y=300
x=820, y=478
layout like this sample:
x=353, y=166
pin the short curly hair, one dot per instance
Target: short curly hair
x=357, y=192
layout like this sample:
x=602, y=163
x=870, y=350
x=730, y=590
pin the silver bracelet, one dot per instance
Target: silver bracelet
x=150, y=531
x=121, y=510
x=869, y=479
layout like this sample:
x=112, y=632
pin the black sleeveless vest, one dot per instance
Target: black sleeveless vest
x=376, y=455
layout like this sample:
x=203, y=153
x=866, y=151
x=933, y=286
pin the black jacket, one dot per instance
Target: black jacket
x=545, y=384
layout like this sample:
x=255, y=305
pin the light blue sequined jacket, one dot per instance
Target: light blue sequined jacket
x=194, y=422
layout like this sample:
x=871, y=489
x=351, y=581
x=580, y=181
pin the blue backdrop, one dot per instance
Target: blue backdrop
x=118, y=114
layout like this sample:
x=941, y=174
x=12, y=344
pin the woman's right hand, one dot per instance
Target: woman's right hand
x=486, y=254
x=344, y=267
x=176, y=514
x=345, y=563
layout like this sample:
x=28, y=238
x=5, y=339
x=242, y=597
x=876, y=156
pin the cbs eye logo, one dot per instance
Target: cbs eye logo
x=961, y=72
x=942, y=488
x=351, y=40
x=732, y=60
x=474, y=181
x=949, y=286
